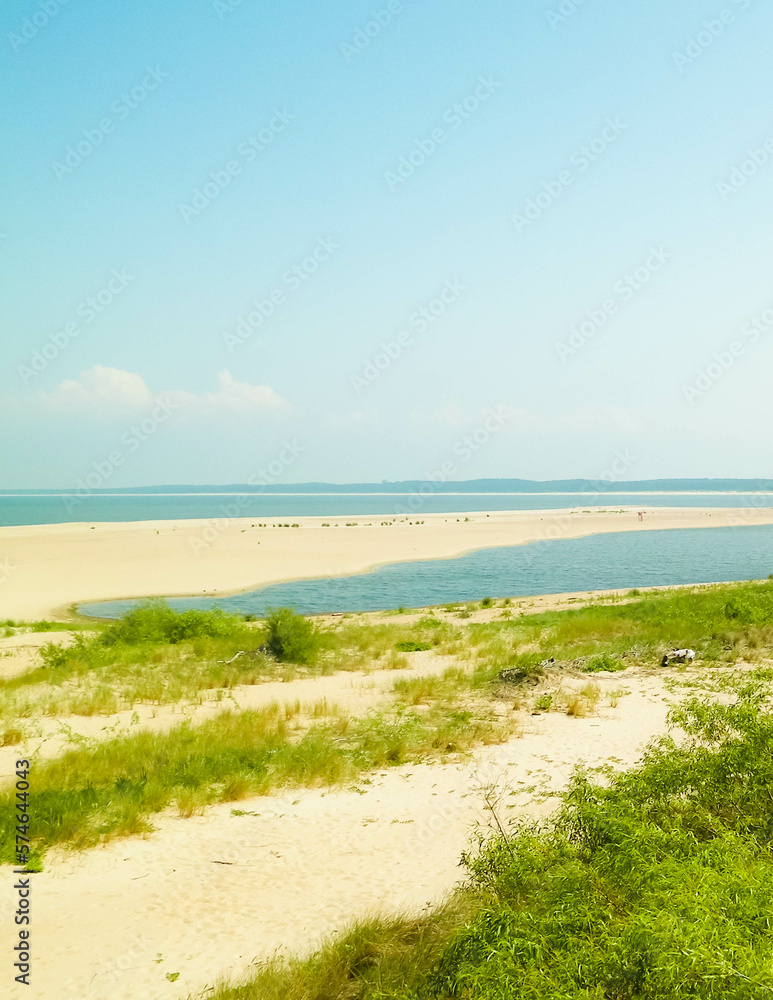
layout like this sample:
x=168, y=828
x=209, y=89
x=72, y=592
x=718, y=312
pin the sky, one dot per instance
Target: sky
x=368, y=240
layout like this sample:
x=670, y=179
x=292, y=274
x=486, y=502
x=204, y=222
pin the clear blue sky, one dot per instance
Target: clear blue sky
x=116, y=114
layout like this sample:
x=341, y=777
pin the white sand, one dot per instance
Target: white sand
x=213, y=894
x=53, y=566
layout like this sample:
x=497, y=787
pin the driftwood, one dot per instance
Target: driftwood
x=678, y=656
x=253, y=654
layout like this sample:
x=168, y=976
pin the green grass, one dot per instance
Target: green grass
x=157, y=656
x=89, y=678
x=722, y=623
x=655, y=885
x=96, y=792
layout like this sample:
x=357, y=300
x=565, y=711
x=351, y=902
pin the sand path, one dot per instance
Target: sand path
x=211, y=895
x=49, y=567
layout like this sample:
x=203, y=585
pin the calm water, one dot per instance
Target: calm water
x=598, y=562
x=49, y=508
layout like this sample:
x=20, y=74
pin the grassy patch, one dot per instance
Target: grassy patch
x=655, y=884
x=96, y=792
x=722, y=623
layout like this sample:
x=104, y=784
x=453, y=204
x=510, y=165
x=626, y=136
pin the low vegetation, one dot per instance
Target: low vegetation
x=652, y=884
x=157, y=656
x=290, y=637
x=656, y=884
x=111, y=788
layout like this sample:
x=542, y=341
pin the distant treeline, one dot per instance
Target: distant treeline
x=466, y=486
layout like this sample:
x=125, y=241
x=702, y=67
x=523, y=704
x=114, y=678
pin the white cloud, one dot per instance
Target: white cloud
x=112, y=389
x=233, y=395
x=104, y=385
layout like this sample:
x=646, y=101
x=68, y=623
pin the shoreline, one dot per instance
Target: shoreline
x=53, y=568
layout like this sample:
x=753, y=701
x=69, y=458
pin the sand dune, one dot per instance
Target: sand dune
x=51, y=566
x=211, y=895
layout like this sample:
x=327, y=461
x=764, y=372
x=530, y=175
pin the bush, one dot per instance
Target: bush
x=290, y=637
x=411, y=646
x=602, y=661
x=657, y=886
x=155, y=622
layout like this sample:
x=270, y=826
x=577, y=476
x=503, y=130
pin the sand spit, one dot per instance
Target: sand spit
x=54, y=566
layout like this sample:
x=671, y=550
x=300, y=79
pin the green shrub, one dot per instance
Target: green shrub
x=602, y=661
x=654, y=885
x=290, y=637
x=657, y=886
x=411, y=646
x=155, y=622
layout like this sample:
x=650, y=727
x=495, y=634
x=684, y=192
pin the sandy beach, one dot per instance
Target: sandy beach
x=213, y=895
x=48, y=568
x=167, y=913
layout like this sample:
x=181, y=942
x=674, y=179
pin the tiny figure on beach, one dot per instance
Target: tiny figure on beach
x=641, y=515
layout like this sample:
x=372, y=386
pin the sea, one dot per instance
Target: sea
x=413, y=499
x=601, y=562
